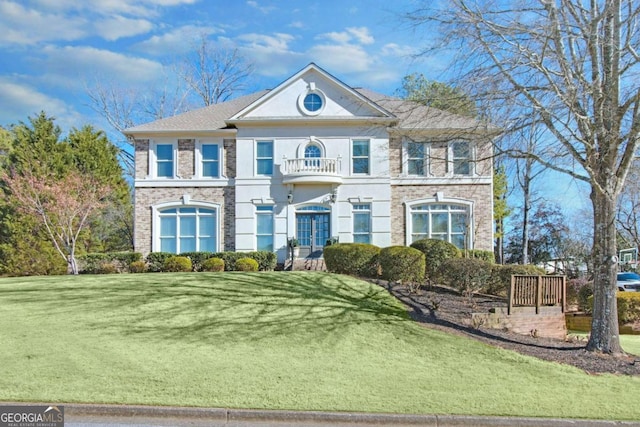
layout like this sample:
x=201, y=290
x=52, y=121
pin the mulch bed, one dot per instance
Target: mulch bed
x=443, y=309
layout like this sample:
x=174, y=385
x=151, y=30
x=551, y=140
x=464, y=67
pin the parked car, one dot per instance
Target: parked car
x=629, y=282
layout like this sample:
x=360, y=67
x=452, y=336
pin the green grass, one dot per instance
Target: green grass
x=629, y=343
x=269, y=340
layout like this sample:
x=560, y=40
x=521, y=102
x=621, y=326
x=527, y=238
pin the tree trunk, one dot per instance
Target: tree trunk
x=604, y=326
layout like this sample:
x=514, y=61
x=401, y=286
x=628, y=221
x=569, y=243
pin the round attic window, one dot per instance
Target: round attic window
x=311, y=103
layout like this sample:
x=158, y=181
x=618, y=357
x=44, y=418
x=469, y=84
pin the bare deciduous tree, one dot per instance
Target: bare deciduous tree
x=576, y=63
x=215, y=73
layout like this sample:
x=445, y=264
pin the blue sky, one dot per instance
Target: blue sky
x=52, y=49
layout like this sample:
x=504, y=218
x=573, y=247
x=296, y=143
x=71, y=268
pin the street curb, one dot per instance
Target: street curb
x=227, y=416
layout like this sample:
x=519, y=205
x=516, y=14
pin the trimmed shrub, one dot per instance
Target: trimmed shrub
x=466, y=275
x=213, y=265
x=155, y=260
x=137, y=267
x=435, y=252
x=628, y=307
x=107, y=267
x=266, y=260
x=246, y=264
x=107, y=263
x=359, y=259
x=501, y=277
x=402, y=264
x=177, y=264
x=488, y=256
x=197, y=258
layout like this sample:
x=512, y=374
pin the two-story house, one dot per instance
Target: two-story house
x=313, y=159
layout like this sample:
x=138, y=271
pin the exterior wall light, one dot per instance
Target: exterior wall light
x=290, y=197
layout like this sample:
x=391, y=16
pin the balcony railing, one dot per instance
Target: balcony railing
x=312, y=170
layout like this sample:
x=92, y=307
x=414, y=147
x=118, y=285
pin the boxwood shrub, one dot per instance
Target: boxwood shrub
x=246, y=264
x=155, y=260
x=107, y=263
x=402, y=264
x=212, y=265
x=466, y=275
x=177, y=264
x=501, y=277
x=435, y=252
x=628, y=307
x=359, y=259
x=488, y=256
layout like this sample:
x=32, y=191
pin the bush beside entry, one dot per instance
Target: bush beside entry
x=402, y=264
x=359, y=259
x=246, y=264
x=435, y=252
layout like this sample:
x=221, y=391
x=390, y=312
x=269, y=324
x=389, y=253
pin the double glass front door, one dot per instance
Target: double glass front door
x=312, y=230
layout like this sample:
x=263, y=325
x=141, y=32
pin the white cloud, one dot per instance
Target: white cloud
x=138, y=8
x=394, y=49
x=177, y=41
x=271, y=54
x=28, y=26
x=118, y=27
x=20, y=101
x=263, y=9
x=345, y=58
x=297, y=24
x=71, y=65
x=361, y=34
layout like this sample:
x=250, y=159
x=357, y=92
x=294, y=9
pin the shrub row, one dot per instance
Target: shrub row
x=108, y=263
x=436, y=261
x=132, y=262
x=628, y=307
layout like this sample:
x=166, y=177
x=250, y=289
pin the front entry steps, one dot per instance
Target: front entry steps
x=309, y=264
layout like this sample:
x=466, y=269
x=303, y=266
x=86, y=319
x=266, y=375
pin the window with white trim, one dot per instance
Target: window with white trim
x=210, y=160
x=362, y=223
x=360, y=156
x=187, y=229
x=264, y=157
x=264, y=228
x=441, y=221
x=417, y=158
x=164, y=160
x=461, y=157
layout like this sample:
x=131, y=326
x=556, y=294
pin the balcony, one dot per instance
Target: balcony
x=314, y=170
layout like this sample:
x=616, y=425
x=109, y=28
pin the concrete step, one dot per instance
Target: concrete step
x=309, y=264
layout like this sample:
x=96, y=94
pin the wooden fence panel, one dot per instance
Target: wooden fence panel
x=537, y=291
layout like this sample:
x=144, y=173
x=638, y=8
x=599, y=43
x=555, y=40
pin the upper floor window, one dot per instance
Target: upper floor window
x=312, y=102
x=187, y=229
x=360, y=156
x=210, y=158
x=165, y=162
x=264, y=157
x=312, y=152
x=264, y=228
x=440, y=221
x=362, y=223
x=417, y=158
x=461, y=158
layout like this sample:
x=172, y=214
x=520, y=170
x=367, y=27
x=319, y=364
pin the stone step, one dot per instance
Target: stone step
x=309, y=264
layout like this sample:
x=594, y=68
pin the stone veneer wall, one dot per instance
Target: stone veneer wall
x=479, y=193
x=146, y=197
x=141, y=158
x=186, y=158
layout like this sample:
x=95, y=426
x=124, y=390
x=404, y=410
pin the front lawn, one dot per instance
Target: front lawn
x=304, y=341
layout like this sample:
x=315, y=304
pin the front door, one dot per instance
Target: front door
x=313, y=231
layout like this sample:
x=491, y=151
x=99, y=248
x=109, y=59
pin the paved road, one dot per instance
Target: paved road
x=146, y=416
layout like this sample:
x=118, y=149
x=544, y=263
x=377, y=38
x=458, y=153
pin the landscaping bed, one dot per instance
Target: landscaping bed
x=446, y=310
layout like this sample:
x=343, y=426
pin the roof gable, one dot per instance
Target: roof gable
x=337, y=100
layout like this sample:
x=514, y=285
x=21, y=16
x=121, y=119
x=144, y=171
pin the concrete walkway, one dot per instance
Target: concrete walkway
x=87, y=415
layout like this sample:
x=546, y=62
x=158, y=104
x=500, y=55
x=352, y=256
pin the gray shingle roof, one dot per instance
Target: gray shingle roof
x=411, y=116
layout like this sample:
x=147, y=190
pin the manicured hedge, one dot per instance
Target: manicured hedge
x=628, y=307
x=402, y=264
x=213, y=265
x=107, y=263
x=501, y=277
x=266, y=260
x=359, y=259
x=177, y=264
x=488, y=256
x=435, y=252
x=246, y=264
x=467, y=275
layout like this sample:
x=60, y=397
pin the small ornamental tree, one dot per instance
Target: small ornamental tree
x=63, y=206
